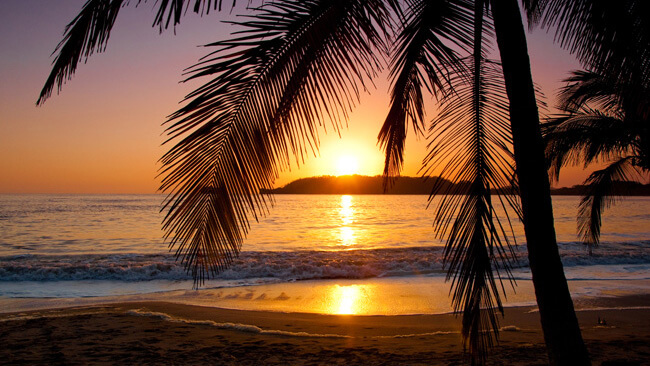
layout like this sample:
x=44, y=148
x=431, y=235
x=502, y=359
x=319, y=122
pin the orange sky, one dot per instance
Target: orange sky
x=102, y=134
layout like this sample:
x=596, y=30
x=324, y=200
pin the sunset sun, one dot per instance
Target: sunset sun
x=347, y=165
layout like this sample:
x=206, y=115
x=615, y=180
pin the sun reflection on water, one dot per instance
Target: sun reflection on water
x=352, y=299
x=346, y=213
x=347, y=236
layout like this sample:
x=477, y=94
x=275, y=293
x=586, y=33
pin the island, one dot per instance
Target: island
x=361, y=184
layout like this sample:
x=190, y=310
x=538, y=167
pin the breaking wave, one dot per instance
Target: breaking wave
x=288, y=266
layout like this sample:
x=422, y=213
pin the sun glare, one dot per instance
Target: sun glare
x=351, y=299
x=347, y=165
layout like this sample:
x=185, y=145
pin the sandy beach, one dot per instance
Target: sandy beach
x=168, y=333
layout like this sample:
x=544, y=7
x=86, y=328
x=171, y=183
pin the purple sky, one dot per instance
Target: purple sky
x=102, y=133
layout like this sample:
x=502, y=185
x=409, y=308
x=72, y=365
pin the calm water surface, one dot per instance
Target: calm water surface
x=118, y=224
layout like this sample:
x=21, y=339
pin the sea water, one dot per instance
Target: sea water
x=309, y=251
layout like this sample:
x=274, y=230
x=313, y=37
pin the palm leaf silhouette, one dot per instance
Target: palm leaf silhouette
x=175, y=9
x=601, y=193
x=470, y=146
x=423, y=58
x=608, y=36
x=86, y=34
x=90, y=30
x=604, y=120
x=292, y=68
x=585, y=138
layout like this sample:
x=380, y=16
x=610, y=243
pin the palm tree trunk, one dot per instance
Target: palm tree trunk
x=559, y=322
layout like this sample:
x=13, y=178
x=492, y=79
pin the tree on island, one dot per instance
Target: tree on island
x=297, y=64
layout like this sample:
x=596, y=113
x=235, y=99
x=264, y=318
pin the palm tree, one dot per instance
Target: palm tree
x=297, y=65
x=605, y=119
x=604, y=110
x=559, y=323
x=610, y=38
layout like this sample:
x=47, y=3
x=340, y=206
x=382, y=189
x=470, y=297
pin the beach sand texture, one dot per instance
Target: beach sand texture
x=167, y=333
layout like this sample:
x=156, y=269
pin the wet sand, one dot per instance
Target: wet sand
x=167, y=333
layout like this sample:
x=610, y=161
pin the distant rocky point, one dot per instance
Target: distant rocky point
x=361, y=184
x=358, y=184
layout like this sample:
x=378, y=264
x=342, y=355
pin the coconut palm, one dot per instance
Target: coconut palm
x=559, y=323
x=296, y=65
x=606, y=120
x=605, y=110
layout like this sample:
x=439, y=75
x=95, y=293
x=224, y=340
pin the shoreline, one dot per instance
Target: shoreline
x=375, y=296
x=161, y=332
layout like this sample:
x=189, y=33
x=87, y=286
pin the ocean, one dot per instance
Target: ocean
x=311, y=253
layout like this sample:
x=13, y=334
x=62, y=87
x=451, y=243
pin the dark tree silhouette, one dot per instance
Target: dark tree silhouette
x=605, y=120
x=605, y=110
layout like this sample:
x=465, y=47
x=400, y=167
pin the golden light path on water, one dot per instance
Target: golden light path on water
x=346, y=212
x=352, y=299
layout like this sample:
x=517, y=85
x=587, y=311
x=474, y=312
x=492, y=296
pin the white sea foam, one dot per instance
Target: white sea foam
x=437, y=333
x=510, y=328
x=248, y=328
x=284, y=266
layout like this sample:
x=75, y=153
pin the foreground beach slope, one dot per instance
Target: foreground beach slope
x=166, y=333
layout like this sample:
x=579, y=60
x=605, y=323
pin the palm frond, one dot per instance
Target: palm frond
x=86, y=34
x=601, y=193
x=588, y=88
x=584, y=138
x=169, y=10
x=294, y=66
x=533, y=10
x=604, y=119
x=470, y=147
x=609, y=36
x=90, y=30
x=630, y=100
x=423, y=58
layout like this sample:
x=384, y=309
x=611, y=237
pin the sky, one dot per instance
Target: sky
x=103, y=133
